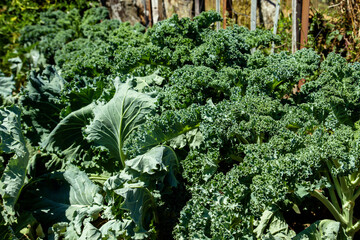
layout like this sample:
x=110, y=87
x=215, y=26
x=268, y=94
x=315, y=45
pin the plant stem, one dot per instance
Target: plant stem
x=356, y=227
x=329, y=206
x=97, y=178
x=356, y=195
x=242, y=139
x=335, y=181
x=122, y=158
x=333, y=197
x=356, y=181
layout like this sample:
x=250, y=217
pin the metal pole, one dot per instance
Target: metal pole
x=276, y=21
x=253, y=18
x=253, y=15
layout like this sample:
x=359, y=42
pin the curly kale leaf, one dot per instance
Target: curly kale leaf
x=94, y=16
x=107, y=48
x=226, y=128
x=223, y=48
x=217, y=209
x=84, y=57
x=278, y=75
x=173, y=32
x=205, y=19
x=56, y=28
x=335, y=92
x=197, y=85
x=241, y=120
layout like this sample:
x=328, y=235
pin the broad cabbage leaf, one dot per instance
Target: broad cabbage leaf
x=63, y=197
x=13, y=178
x=117, y=119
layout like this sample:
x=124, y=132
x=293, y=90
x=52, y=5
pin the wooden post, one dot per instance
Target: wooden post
x=149, y=10
x=197, y=7
x=304, y=23
x=218, y=11
x=224, y=14
x=210, y=5
x=276, y=21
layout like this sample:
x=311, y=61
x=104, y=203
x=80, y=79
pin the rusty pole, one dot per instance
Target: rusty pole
x=149, y=10
x=304, y=23
x=224, y=14
x=218, y=11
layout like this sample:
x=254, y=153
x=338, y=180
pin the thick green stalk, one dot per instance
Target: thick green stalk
x=347, y=192
x=97, y=178
x=354, y=177
x=335, y=181
x=123, y=158
x=330, y=206
x=356, y=194
x=356, y=182
x=332, y=193
x=242, y=139
x=354, y=229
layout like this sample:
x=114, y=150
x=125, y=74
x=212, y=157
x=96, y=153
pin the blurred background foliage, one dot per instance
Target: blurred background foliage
x=14, y=16
x=334, y=27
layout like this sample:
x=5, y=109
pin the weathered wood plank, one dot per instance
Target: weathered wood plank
x=197, y=7
x=218, y=11
x=304, y=23
x=224, y=13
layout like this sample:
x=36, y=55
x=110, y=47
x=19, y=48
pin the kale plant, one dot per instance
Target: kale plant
x=177, y=132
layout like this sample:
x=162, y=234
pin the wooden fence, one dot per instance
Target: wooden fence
x=247, y=13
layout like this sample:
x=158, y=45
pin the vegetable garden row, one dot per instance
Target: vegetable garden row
x=176, y=132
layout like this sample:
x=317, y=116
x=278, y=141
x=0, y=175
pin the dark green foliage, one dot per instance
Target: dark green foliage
x=335, y=92
x=158, y=129
x=180, y=111
x=216, y=210
x=100, y=51
x=224, y=48
x=191, y=84
x=277, y=75
x=6, y=85
x=40, y=103
x=14, y=16
x=56, y=28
